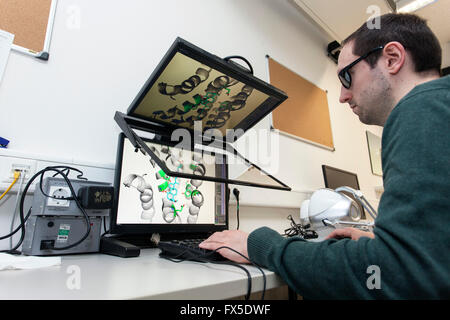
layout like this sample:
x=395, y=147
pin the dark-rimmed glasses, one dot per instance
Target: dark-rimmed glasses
x=344, y=74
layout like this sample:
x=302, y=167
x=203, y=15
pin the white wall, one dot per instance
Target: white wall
x=446, y=55
x=63, y=109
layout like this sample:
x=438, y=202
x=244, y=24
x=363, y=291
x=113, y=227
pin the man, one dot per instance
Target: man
x=390, y=77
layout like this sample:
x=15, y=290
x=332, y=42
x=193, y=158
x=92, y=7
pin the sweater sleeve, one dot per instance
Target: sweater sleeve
x=412, y=243
x=331, y=269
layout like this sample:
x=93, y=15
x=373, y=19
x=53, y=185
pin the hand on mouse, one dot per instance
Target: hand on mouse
x=234, y=239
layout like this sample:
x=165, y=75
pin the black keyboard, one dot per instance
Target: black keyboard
x=188, y=249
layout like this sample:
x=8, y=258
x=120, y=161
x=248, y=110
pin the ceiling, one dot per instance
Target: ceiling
x=339, y=18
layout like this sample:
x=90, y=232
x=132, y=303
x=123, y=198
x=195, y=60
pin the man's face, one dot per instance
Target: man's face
x=369, y=93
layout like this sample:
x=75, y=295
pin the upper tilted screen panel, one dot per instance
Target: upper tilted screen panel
x=189, y=91
x=191, y=85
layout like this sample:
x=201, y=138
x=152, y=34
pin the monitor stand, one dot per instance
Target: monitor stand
x=123, y=247
x=129, y=246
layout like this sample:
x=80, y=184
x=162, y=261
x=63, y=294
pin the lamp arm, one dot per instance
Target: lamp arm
x=360, y=197
x=368, y=207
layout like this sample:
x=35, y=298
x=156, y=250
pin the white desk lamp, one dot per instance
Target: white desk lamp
x=330, y=207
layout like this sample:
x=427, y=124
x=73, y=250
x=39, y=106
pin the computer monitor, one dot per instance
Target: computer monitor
x=335, y=178
x=148, y=201
x=192, y=86
x=203, y=101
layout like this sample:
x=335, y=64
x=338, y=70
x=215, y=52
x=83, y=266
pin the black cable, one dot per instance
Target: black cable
x=20, y=227
x=249, y=277
x=22, y=235
x=251, y=262
x=241, y=58
x=204, y=258
x=104, y=227
x=17, y=229
x=236, y=194
x=80, y=176
x=74, y=197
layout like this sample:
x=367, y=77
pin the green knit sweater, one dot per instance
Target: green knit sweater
x=411, y=249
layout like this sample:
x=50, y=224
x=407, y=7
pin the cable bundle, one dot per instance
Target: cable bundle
x=300, y=230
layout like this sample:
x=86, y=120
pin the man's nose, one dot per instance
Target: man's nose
x=345, y=96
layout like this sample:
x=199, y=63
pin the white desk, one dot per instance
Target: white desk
x=145, y=277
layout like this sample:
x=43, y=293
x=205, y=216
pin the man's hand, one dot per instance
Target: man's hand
x=352, y=233
x=234, y=239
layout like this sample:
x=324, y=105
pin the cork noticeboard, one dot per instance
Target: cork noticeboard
x=31, y=22
x=305, y=114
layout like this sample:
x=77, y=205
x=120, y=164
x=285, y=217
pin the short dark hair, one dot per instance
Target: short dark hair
x=408, y=29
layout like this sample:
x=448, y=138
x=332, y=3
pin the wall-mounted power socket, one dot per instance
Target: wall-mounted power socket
x=61, y=193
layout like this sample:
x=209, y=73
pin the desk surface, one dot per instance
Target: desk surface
x=145, y=277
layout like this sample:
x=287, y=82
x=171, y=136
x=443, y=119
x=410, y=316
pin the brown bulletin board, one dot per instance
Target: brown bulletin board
x=304, y=115
x=30, y=21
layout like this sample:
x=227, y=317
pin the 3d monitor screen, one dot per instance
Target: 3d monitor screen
x=190, y=85
x=148, y=196
x=189, y=91
x=194, y=94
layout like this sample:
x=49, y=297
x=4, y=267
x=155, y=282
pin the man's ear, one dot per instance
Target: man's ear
x=394, y=54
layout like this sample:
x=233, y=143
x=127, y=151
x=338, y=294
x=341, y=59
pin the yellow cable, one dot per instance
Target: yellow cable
x=16, y=177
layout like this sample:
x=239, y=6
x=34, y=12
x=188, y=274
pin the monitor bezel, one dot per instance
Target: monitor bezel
x=141, y=229
x=324, y=167
x=128, y=123
x=276, y=96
